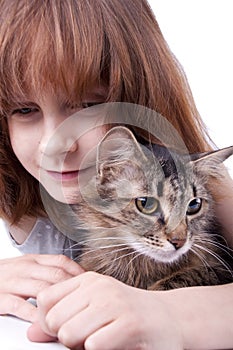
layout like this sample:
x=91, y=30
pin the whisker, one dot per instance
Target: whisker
x=136, y=256
x=106, y=246
x=116, y=259
x=124, y=256
x=92, y=240
x=204, y=262
x=102, y=238
x=72, y=247
x=218, y=245
x=218, y=236
x=106, y=253
x=216, y=256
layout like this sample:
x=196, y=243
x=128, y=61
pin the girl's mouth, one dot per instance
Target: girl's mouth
x=64, y=176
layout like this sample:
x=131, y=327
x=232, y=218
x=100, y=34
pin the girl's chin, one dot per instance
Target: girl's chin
x=64, y=195
x=67, y=198
x=67, y=190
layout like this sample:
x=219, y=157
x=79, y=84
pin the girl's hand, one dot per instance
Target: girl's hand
x=92, y=311
x=25, y=276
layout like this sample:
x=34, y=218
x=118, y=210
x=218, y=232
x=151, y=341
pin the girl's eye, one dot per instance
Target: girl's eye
x=90, y=104
x=147, y=205
x=24, y=111
x=194, y=206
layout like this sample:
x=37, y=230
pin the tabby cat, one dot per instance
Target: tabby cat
x=147, y=216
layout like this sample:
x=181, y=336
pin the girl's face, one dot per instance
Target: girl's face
x=56, y=141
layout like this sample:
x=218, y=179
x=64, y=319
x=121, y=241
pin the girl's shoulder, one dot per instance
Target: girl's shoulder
x=43, y=238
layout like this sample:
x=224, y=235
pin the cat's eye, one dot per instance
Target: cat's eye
x=147, y=205
x=194, y=206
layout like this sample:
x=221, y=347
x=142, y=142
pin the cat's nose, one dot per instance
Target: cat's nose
x=177, y=242
x=177, y=236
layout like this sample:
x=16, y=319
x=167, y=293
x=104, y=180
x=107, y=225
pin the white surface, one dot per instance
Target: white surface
x=13, y=336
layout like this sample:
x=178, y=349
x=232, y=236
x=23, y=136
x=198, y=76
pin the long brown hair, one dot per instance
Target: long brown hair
x=72, y=44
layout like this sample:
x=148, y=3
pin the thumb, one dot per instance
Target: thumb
x=35, y=334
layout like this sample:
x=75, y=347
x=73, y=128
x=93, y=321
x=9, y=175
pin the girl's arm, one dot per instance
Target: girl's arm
x=99, y=312
x=223, y=195
x=204, y=315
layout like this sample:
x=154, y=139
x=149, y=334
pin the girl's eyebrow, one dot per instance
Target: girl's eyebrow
x=99, y=94
x=23, y=103
x=24, y=100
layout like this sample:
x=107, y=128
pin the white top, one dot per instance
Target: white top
x=45, y=238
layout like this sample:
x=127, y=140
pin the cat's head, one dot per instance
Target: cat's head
x=154, y=200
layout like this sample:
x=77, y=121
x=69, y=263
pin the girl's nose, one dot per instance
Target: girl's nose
x=58, y=139
x=58, y=145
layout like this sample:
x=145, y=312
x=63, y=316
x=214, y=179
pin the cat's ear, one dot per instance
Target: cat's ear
x=117, y=146
x=209, y=163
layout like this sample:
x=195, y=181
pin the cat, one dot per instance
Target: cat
x=147, y=217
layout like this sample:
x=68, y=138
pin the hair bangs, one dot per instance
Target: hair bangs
x=68, y=47
x=53, y=51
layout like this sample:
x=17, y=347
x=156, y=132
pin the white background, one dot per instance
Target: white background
x=200, y=34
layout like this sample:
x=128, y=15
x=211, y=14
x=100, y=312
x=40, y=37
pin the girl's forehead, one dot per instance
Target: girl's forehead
x=95, y=92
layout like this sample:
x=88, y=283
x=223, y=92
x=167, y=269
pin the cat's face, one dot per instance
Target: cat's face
x=157, y=207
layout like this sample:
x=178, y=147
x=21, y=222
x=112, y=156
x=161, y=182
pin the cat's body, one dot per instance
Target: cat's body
x=147, y=218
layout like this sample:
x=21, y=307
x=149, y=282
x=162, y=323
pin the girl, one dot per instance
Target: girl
x=57, y=58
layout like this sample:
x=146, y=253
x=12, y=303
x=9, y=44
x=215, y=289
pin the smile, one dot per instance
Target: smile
x=63, y=176
x=71, y=174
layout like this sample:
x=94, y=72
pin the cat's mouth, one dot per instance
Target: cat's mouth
x=164, y=251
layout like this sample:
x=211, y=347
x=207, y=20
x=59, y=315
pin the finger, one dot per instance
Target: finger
x=56, y=316
x=24, y=288
x=47, y=267
x=16, y=306
x=61, y=261
x=54, y=300
x=51, y=274
x=54, y=295
x=76, y=330
x=41, y=276
x=36, y=334
x=119, y=335
x=133, y=335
